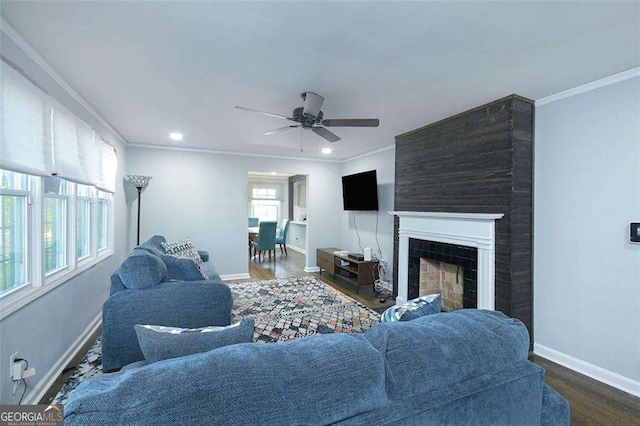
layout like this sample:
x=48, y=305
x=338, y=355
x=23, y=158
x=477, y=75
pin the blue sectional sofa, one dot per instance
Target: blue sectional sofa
x=143, y=292
x=468, y=367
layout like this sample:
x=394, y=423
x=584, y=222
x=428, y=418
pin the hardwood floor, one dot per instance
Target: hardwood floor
x=592, y=402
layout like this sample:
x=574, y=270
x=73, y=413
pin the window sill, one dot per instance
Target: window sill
x=20, y=298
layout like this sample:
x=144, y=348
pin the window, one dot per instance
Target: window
x=265, y=193
x=13, y=231
x=65, y=224
x=103, y=221
x=265, y=199
x=55, y=225
x=265, y=210
x=83, y=221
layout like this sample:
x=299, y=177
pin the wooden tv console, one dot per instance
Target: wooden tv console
x=358, y=272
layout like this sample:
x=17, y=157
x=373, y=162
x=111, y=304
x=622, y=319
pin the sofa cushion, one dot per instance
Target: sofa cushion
x=426, y=354
x=153, y=245
x=424, y=307
x=314, y=380
x=181, y=269
x=159, y=342
x=141, y=270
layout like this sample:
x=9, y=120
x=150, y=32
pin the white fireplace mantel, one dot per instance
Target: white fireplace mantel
x=466, y=229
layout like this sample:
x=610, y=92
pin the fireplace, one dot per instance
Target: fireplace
x=462, y=230
x=446, y=269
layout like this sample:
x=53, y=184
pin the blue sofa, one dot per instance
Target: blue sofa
x=143, y=292
x=468, y=367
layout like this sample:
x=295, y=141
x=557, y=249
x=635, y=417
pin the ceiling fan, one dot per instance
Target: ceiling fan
x=310, y=117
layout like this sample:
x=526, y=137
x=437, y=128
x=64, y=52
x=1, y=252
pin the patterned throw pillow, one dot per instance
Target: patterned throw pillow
x=425, y=305
x=159, y=342
x=184, y=249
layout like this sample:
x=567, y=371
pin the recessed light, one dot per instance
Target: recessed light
x=274, y=173
x=176, y=136
x=326, y=150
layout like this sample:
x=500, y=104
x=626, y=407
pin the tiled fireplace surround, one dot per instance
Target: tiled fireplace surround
x=419, y=234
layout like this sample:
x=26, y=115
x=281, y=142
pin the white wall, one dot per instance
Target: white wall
x=586, y=273
x=384, y=164
x=45, y=329
x=204, y=196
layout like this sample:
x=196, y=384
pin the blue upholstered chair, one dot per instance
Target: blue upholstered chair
x=266, y=239
x=254, y=221
x=282, y=238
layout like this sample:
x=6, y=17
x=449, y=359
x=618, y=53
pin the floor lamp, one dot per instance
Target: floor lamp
x=139, y=182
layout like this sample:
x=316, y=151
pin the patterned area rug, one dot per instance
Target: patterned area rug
x=283, y=309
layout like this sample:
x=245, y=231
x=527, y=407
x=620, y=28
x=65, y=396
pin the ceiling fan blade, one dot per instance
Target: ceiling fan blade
x=351, y=122
x=281, y=129
x=265, y=113
x=321, y=131
x=312, y=104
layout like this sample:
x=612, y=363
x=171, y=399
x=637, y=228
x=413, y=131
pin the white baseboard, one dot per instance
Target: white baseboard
x=48, y=379
x=605, y=376
x=298, y=249
x=312, y=269
x=230, y=277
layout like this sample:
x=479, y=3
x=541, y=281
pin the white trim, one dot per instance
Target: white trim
x=298, y=249
x=312, y=269
x=466, y=229
x=214, y=151
x=54, y=372
x=598, y=373
x=612, y=79
x=17, y=301
x=42, y=63
x=366, y=154
x=446, y=215
x=230, y=277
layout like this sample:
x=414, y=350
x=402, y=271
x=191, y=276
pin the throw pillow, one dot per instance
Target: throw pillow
x=159, y=342
x=181, y=269
x=433, y=306
x=185, y=249
x=141, y=270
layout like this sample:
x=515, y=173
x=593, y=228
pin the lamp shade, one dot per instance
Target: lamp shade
x=138, y=181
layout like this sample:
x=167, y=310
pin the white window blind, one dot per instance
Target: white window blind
x=66, y=155
x=108, y=168
x=90, y=154
x=41, y=137
x=24, y=129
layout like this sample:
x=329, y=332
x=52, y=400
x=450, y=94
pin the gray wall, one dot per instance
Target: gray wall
x=384, y=164
x=44, y=329
x=203, y=196
x=587, y=190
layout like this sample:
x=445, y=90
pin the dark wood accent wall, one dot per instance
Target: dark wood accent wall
x=479, y=161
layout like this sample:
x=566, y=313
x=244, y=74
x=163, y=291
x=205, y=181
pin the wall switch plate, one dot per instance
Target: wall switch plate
x=12, y=360
x=634, y=232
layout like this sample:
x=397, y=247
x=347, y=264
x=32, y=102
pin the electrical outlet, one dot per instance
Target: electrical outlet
x=12, y=359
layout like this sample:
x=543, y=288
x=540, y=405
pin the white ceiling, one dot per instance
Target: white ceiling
x=150, y=68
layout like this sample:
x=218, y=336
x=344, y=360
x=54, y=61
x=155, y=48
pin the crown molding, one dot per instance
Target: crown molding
x=612, y=79
x=236, y=153
x=366, y=154
x=42, y=63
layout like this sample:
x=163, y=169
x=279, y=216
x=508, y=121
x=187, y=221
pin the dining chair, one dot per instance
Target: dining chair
x=253, y=221
x=282, y=238
x=266, y=240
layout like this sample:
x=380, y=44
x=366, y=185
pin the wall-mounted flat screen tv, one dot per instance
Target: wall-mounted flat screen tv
x=360, y=191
